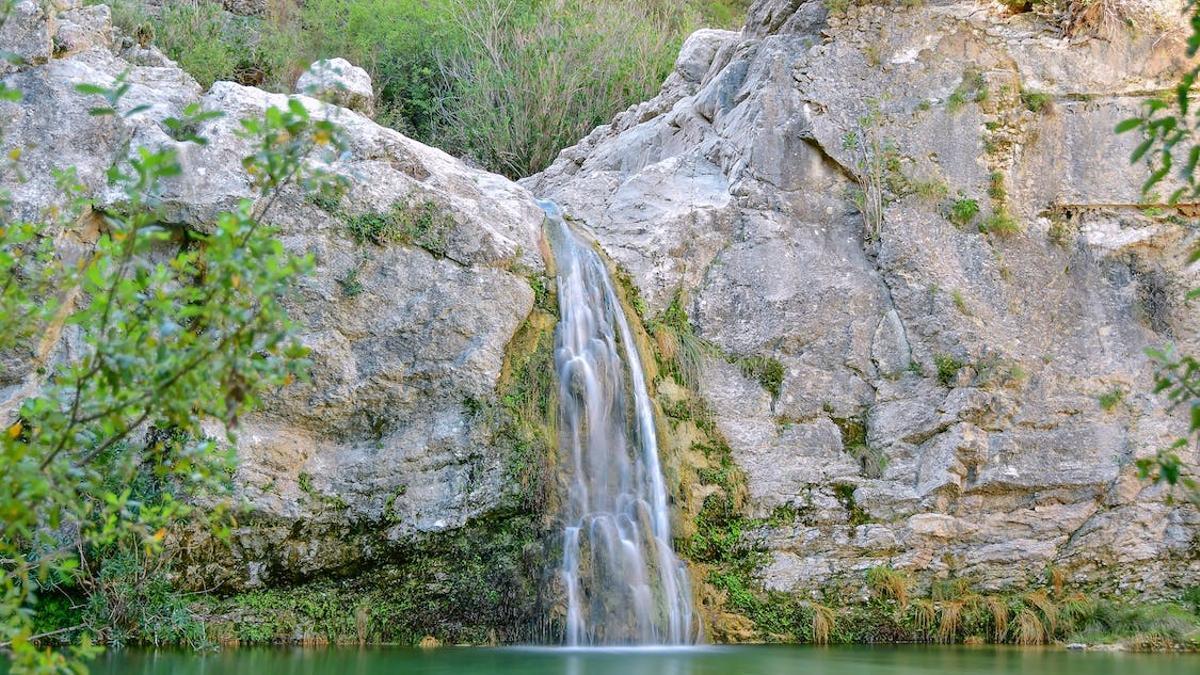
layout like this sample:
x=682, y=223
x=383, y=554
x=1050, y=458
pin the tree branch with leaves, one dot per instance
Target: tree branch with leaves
x=108, y=454
x=1170, y=148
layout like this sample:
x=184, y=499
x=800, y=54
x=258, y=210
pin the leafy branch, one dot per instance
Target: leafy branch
x=105, y=455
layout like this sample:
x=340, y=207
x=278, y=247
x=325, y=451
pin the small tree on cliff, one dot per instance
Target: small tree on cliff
x=101, y=456
x=1170, y=146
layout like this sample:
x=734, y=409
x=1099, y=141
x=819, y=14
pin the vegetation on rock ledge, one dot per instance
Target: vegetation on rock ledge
x=508, y=83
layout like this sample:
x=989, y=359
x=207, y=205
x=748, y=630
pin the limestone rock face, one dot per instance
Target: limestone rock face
x=974, y=361
x=26, y=34
x=339, y=81
x=379, y=446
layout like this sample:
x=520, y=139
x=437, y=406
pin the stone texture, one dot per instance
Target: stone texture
x=378, y=448
x=974, y=361
x=338, y=81
x=26, y=34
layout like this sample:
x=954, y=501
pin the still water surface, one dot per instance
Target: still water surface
x=901, y=660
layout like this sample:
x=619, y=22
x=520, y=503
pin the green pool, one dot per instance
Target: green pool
x=892, y=660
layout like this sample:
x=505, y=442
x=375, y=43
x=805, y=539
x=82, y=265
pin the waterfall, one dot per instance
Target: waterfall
x=623, y=582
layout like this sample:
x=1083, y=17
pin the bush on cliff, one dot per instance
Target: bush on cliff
x=507, y=83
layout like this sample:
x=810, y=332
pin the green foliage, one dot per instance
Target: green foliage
x=947, y=368
x=960, y=302
x=962, y=211
x=997, y=371
x=101, y=461
x=425, y=223
x=1170, y=145
x=767, y=371
x=472, y=585
x=838, y=7
x=525, y=421
x=844, y=492
x=534, y=77
x=680, y=351
x=875, y=159
x=350, y=284
x=213, y=45
x=132, y=599
x=889, y=584
x=973, y=87
x=629, y=292
x=1001, y=223
x=1036, y=102
x=854, y=441
x=1143, y=626
x=1111, y=398
x=933, y=190
x=996, y=186
x=724, y=542
x=508, y=83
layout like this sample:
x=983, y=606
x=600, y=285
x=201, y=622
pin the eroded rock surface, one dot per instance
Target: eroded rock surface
x=381, y=445
x=940, y=409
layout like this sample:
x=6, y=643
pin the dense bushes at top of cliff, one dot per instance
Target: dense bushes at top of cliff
x=507, y=83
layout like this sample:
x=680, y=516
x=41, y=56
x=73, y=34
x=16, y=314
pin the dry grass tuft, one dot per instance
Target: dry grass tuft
x=888, y=583
x=1048, y=609
x=1057, y=578
x=1030, y=630
x=951, y=618
x=998, y=608
x=823, y=622
x=924, y=616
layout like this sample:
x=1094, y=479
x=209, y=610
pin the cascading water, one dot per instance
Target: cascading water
x=624, y=584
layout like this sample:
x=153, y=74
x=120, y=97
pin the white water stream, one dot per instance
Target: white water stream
x=624, y=584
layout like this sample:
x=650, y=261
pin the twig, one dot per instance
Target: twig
x=46, y=634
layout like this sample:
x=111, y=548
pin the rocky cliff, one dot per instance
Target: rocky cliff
x=964, y=387
x=396, y=435
x=901, y=243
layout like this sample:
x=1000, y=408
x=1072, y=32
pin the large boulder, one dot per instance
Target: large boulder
x=383, y=444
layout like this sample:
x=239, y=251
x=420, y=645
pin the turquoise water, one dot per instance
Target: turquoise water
x=901, y=660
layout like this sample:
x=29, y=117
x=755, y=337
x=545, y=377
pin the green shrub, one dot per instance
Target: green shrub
x=947, y=368
x=997, y=188
x=1111, y=398
x=109, y=447
x=212, y=45
x=973, y=87
x=539, y=81
x=767, y=371
x=1036, y=101
x=398, y=42
x=426, y=224
x=1000, y=223
x=508, y=84
x=962, y=211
